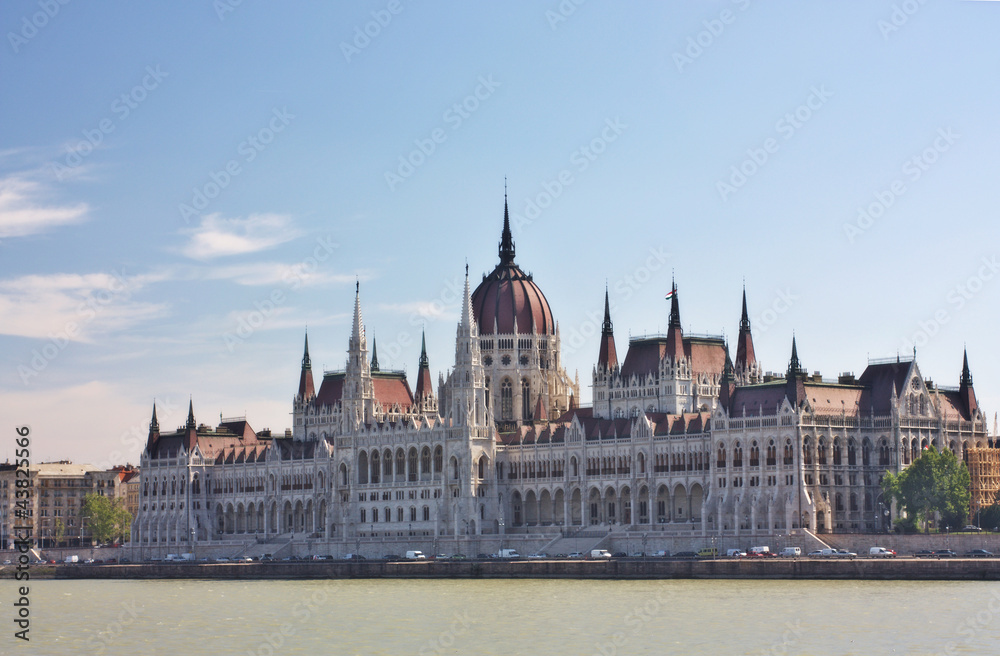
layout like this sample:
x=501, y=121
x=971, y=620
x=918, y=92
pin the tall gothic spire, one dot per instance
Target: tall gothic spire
x=608, y=356
x=154, y=425
x=374, y=365
x=966, y=374
x=745, y=356
x=745, y=318
x=794, y=366
x=306, y=388
x=506, y=241
x=190, y=420
x=358, y=328
x=468, y=318
x=423, y=350
x=675, y=311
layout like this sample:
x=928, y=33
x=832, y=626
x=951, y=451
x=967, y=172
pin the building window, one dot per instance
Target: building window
x=506, y=400
x=525, y=400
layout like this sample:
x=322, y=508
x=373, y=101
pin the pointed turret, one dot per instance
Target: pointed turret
x=795, y=383
x=190, y=420
x=540, y=412
x=727, y=386
x=154, y=432
x=965, y=391
x=424, y=387
x=506, y=240
x=608, y=357
x=374, y=364
x=746, y=359
x=358, y=400
x=306, y=388
x=675, y=335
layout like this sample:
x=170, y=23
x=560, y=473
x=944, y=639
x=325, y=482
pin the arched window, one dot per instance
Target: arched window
x=574, y=466
x=737, y=455
x=852, y=456
x=506, y=400
x=721, y=460
x=772, y=454
x=488, y=383
x=425, y=461
x=525, y=400
x=482, y=467
x=438, y=459
x=836, y=451
x=754, y=455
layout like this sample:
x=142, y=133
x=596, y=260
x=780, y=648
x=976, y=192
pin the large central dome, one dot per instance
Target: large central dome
x=509, y=295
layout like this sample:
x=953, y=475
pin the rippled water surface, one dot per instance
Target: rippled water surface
x=507, y=617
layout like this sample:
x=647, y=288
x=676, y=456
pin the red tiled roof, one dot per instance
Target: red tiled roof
x=392, y=389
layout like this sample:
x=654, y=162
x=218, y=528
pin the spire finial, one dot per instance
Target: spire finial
x=424, y=363
x=506, y=241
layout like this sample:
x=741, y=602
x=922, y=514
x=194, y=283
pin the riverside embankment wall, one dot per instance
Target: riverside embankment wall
x=803, y=568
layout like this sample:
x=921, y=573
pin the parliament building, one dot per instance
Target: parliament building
x=680, y=440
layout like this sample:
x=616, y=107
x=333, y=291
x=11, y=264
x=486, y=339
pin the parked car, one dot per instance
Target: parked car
x=881, y=552
x=576, y=555
x=791, y=552
x=391, y=557
x=923, y=553
x=971, y=528
x=844, y=553
x=354, y=556
x=816, y=554
x=979, y=553
x=482, y=556
x=459, y=557
x=735, y=553
x=619, y=554
x=538, y=556
x=945, y=553
x=222, y=559
x=686, y=555
x=662, y=553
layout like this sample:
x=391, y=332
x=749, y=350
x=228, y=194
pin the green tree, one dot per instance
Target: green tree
x=59, y=530
x=937, y=483
x=107, y=519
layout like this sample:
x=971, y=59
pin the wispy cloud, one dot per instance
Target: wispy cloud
x=218, y=236
x=25, y=210
x=277, y=273
x=426, y=309
x=74, y=306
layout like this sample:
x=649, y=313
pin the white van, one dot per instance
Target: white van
x=791, y=552
x=735, y=553
x=415, y=555
x=508, y=553
x=881, y=552
x=600, y=554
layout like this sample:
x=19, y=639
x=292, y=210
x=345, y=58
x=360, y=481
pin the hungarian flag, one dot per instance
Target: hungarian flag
x=670, y=294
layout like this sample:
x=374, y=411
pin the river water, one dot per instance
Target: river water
x=579, y=618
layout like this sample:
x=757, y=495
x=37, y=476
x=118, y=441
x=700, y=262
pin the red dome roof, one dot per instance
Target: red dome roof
x=508, y=294
x=505, y=294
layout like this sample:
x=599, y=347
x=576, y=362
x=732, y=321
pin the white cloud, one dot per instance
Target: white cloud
x=74, y=306
x=218, y=236
x=24, y=209
x=426, y=309
x=278, y=273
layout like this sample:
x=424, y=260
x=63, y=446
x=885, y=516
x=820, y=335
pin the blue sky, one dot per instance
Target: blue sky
x=184, y=187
